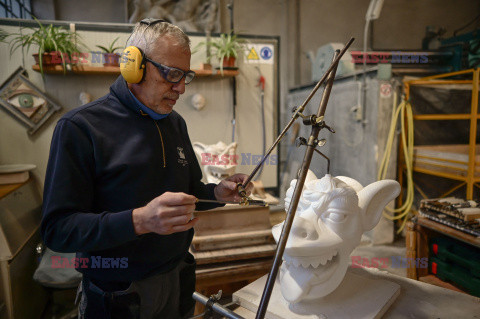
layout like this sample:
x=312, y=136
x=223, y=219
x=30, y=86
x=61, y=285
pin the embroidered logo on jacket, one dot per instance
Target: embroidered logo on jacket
x=181, y=156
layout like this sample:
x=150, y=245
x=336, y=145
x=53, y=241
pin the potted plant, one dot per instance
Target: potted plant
x=226, y=48
x=56, y=45
x=110, y=58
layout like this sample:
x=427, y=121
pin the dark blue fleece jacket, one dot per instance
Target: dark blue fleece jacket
x=106, y=159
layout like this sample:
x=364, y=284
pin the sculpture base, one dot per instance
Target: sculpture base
x=356, y=297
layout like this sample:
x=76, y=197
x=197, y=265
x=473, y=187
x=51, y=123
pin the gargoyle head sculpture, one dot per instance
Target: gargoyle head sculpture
x=217, y=160
x=332, y=214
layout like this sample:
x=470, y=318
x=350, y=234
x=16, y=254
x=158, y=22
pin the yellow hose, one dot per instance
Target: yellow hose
x=404, y=110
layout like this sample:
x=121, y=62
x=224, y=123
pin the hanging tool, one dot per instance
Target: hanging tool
x=291, y=147
x=234, y=80
x=261, y=84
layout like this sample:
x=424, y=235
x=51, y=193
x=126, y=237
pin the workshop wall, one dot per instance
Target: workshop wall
x=208, y=126
x=303, y=25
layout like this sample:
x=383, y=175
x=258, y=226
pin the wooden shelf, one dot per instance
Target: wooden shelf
x=448, y=231
x=80, y=69
x=115, y=70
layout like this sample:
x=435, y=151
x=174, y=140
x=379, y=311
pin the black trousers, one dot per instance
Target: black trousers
x=166, y=295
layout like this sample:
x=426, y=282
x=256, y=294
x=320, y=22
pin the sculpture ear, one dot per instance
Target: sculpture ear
x=373, y=199
x=351, y=182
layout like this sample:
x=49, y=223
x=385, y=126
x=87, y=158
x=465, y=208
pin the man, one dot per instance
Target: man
x=121, y=185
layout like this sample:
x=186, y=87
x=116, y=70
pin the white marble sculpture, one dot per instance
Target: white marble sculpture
x=217, y=160
x=331, y=217
x=198, y=101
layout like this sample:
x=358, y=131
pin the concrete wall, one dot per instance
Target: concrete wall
x=303, y=25
x=308, y=24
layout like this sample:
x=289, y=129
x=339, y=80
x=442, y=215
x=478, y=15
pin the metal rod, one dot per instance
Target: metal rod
x=282, y=242
x=328, y=160
x=216, y=307
x=244, y=203
x=298, y=111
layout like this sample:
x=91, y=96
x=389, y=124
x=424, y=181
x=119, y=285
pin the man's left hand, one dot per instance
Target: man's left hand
x=227, y=189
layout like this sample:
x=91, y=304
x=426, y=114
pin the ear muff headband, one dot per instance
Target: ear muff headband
x=132, y=64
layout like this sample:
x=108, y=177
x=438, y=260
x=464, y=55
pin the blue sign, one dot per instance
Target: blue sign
x=266, y=53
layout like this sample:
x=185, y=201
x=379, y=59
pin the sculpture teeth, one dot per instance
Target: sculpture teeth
x=307, y=262
x=323, y=260
x=296, y=262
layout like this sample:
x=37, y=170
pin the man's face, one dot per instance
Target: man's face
x=156, y=92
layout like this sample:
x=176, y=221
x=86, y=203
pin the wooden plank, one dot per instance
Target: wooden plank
x=224, y=255
x=411, y=249
x=238, y=272
x=222, y=241
x=232, y=219
x=88, y=69
x=449, y=231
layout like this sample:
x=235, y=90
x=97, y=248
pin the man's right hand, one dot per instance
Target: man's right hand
x=166, y=214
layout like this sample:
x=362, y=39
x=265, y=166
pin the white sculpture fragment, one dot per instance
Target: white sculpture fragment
x=217, y=160
x=198, y=101
x=332, y=214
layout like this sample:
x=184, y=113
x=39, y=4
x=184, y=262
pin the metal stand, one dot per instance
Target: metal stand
x=317, y=123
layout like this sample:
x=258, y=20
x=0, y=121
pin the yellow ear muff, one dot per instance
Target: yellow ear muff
x=132, y=64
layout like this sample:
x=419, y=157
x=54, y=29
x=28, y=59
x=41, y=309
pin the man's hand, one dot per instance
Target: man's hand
x=227, y=189
x=166, y=214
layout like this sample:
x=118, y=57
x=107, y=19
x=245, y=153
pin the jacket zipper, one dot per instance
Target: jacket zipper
x=163, y=147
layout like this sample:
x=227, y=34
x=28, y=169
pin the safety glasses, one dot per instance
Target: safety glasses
x=173, y=75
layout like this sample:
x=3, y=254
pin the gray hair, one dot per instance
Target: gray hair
x=145, y=36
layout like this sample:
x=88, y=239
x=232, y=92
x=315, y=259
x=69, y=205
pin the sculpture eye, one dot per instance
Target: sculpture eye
x=337, y=217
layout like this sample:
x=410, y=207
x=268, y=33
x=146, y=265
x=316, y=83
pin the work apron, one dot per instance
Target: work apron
x=166, y=295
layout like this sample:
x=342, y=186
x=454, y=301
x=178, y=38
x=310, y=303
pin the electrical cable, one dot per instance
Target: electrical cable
x=404, y=109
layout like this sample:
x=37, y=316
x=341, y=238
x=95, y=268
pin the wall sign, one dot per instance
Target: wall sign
x=259, y=53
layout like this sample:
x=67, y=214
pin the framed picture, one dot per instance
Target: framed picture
x=25, y=102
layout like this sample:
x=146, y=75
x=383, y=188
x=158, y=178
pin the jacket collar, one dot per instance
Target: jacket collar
x=120, y=89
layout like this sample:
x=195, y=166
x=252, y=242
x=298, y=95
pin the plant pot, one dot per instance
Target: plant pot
x=111, y=59
x=205, y=66
x=229, y=63
x=48, y=59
